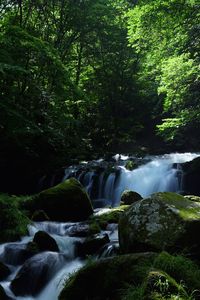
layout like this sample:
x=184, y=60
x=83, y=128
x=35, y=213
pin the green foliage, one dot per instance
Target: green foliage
x=164, y=33
x=13, y=221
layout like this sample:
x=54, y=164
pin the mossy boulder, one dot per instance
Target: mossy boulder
x=129, y=197
x=101, y=219
x=105, y=279
x=13, y=221
x=67, y=201
x=165, y=221
x=139, y=276
x=4, y=271
x=45, y=242
x=191, y=182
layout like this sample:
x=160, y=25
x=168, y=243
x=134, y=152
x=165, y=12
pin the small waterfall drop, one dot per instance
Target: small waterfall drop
x=154, y=174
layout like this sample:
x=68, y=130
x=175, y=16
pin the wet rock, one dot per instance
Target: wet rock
x=36, y=273
x=164, y=221
x=16, y=254
x=45, y=242
x=79, y=230
x=66, y=201
x=92, y=244
x=4, y=271
x=129, y=197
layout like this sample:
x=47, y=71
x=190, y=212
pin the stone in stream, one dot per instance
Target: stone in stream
x=129, y=197
x=165, y=221
x=36, y=273
x=45, y=242
x=16, y=254
x=67, y=201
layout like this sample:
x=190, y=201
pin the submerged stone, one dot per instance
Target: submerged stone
x=45, y=242
x=165, y=221
x=36, y=273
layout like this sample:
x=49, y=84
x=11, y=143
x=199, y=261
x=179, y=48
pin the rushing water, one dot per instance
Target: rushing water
x=160, y=173
x=155, y=174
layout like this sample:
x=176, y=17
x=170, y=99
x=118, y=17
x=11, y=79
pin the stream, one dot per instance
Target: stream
x=152, y=174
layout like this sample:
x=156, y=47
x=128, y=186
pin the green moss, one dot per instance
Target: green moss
x=130, y=165
x=144, y=276
x=182, y=269
x=13, y=221
x=111, y=216
x=67, y=201
x=111, y=275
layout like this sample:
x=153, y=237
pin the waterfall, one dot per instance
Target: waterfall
x=154, y=174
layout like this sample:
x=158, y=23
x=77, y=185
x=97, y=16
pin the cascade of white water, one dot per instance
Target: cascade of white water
x=158, y=175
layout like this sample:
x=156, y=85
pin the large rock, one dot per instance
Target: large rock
x=191, y=180
x=105, y=279
x=45, y=242
x=35, y=273
x=129, y=197
x=66, y=201
x=164, y=221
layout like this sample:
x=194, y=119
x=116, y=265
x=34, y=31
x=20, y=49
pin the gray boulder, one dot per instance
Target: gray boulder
x=165, y=221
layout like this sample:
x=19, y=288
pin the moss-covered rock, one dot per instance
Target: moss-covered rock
x=103, y=218
x=129, y=197
x=67, y=201
x=139, y=276
x=4, y=271
x=45, y=242
x=106, y=278
x=13, y=221
x=163, y=221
